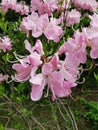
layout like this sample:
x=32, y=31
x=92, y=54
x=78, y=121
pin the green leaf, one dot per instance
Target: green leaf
x=1, y=127
x=96, y=76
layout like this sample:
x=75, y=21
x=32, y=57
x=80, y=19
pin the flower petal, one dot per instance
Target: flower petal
x=36, y=92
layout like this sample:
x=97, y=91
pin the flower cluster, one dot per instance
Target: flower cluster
x=58, y=72
x=21, y=8
x=54, y=74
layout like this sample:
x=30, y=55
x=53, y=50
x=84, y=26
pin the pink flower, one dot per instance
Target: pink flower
x=14, y=5
x=76, y=47
x=73, y=17
x=24, y=9
x=23, y=73
x=7, y=4
x=94, y=48
x=35, y=4
x=53, y=31
x=94, y=20
x=5, y=43
x=39, y=25
x=44, y=7
x=29, y=64
x=54, y=79
x=53, y=4
x=26, y=66
x=36, y=48
x=90, y=5
x=31, y=22
x=90, y=32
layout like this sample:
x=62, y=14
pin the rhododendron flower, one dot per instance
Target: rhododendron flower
x=48, y=7
x=53, y=79
x=39, y=25
x=73, y=17
x=5, y=43
x=52, y=30
x=23, y=73
x=94, y=20
x=29, y=64
x=32, y=22
x=90, y=5
x=8, y=4
x=35, y=5
x=44, y=7
x=67, y=73
x=36, y=48
x=91, y=32
x=76, y=47
x=94, y=48
x=22, y=9
x=16, y=6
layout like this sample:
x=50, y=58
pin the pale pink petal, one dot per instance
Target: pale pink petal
x=36, y=92
x=94, y=53
x=55, y=60
x=47, y=68
x=23, y=73
x=37, y=79
x=35, y=60
x=27, y=45
x=38, y=47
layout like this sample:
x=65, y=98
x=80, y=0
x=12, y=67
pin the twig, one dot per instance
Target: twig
x=18, y=111
x=37, y=122
x=7, y=122
x=67, y=113
x=73, y=118
x=62, y=114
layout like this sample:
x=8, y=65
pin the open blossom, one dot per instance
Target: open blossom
x=44, y=7
x=5, y=43
x=35, y=5
x=94, y=48
x=32, y=22
x=49, y=76
x=28, y=64
x=73, y=17
x=52, y=30
x=55, y=75
x=36, y=48
x=92, y=36
x=41, y=25
x=94, y=20
x=8, y=4
x=90, y=5
x=76, y=47
x=16, y=6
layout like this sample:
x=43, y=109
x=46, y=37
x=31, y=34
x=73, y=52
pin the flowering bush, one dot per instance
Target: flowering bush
x=51, y=43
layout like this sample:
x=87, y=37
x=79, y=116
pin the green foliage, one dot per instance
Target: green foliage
x=96, y=76
x=1, y=127
x=89, y=112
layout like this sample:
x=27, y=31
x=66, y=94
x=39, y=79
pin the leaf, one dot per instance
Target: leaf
x=1, y=127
